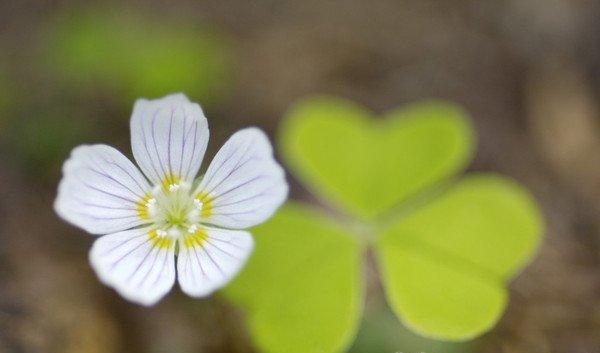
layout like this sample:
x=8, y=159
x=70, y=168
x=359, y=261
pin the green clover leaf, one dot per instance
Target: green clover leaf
x=445, y=248
x=364, y=165
x=132, y=55
x=445, y=265
x=304, y=297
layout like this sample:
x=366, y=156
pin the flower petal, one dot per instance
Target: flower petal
x=243, y=185
x=137, y=263
x=168, y=137
x=101, y=190
x=210, y=258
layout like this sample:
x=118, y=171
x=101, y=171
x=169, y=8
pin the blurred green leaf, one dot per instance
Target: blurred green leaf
x=366, y=166
x=302, y=288
x=444, y=257
x=135, y=56
x=444, y=266
x=381, y=332
x=6, y=95
x=44, y=135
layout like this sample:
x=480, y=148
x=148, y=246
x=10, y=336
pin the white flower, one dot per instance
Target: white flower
x=149, y=222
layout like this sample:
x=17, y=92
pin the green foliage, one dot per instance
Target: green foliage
x=382, y=332
x=135, y=56
x=445, y=248
x=5, y=94
x=302, y=287
x=367, y=166
x=45, y=135
x=444, y=265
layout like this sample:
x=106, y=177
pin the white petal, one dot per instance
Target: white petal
x=211, y=258
x=243, y=185
x=137, y=263
x=168, y=137
x=101, y=190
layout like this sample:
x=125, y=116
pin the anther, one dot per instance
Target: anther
x=173, y=187
x=161, y=233
x=192, y=229
x=174, y=232
x=193, y=216
x=156, y=190
x=198, y=204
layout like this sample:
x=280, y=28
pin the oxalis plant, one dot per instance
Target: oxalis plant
x=445, y=244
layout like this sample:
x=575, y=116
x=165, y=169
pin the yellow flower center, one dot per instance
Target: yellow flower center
x=175, y=211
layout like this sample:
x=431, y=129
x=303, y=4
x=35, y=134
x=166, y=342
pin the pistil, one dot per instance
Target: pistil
x=174, y=210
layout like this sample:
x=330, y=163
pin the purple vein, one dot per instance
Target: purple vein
x=254, y=196
x=183, y=141
x=126, y=254
x=142, y=189
x=145, y=277
x=231, y=172
x=121, y=244
x=212, y=174
x=195, y=129
x=188, y=265
x=162, y=268
x=170, y=141
x=241, y=185
x=223, y=251
x=106, y=192
x=200, y=263
x=228, y=243
x=160, y=163
x=145, y=141
x=140, y=264
x=109, y=177
x=213, y=261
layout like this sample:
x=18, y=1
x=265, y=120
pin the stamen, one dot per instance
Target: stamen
x=174, y=209
x=151, y=207
x=174, y=232
x=192, y=229
x=193, y=216
x=156, y=190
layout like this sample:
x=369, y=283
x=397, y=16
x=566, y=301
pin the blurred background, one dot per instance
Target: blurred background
x=528, y=71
